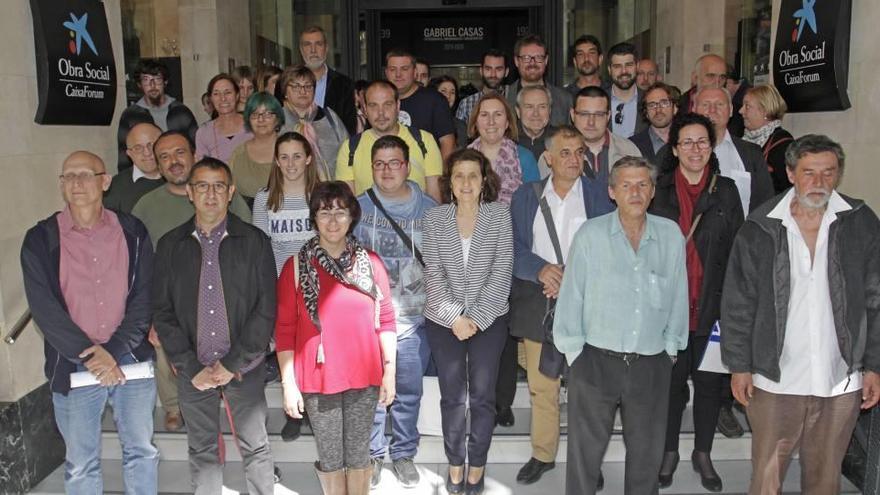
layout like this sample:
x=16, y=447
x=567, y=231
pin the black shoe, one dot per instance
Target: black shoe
x=533, y=470
x=476, y=488
x=276, y=474
x=504, y=417
x=376, y=477
x=728, y=425
x=600, y=484
x=667, y=468
x=455, y=488
x=291, y=430
x=406, y=472
x=708, y=477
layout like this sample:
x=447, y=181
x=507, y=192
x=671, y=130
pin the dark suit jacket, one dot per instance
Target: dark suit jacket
x=340, y=98
x=641, y=122
x=642, y=140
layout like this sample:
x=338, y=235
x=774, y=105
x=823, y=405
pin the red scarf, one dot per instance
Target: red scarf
x=687, y=199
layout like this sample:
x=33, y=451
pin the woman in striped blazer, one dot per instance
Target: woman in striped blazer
x=468, y=250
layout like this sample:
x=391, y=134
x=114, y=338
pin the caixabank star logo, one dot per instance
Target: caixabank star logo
x=806, y=15
x=79, y=33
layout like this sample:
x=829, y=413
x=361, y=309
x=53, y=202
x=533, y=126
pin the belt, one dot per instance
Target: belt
x=626, y=357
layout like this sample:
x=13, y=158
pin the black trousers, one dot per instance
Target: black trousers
x=201, y=410
x=707, y=397
x=505, y=389
x=467, y=370
x=598, y=385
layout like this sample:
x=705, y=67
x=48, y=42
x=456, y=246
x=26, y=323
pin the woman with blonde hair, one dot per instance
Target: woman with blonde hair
x=762, y=110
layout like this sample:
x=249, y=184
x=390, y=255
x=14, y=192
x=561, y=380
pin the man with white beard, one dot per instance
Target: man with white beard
x=332, y=89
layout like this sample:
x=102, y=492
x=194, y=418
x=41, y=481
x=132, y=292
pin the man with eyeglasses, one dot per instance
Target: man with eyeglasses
x=87, y=276
x=354, y=162
x=154, y=107
x=391, y=226
x=531, y=60
x=625, y=95
x=333, y=89
x=591, y=113
x=493, y=70
x=586, y=56
x=128, y=186
x=161, y=210
x=214, y=310
x=659, y=108
x=710, y=71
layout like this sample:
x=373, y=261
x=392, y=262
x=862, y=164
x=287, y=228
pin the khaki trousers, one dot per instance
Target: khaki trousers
x=166, y=382
x=817, y=427
x=544, y=393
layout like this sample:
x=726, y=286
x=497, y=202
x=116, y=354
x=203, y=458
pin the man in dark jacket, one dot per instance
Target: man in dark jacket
x=214, y=311
x=800, y=320
x=155, y=107
x=332, y=89
x=87, y=273
x=537, y=269
x=658, y=108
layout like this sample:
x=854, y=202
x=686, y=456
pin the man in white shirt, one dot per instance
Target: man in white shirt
x=799, y=321
x=741, y=161
x=538, y=274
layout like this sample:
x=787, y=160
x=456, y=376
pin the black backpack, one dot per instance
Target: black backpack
x=356, y=140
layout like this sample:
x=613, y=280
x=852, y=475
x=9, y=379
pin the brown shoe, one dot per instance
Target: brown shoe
x=332, y=483
x=357, y=481
x=173, y=421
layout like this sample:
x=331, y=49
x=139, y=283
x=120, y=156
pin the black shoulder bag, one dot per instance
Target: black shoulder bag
x=397, y=228
x=552, y=363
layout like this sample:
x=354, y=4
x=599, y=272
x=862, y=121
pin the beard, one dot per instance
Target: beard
x=587, y=69
x=809, y=200
x=488, y=84
x=155, y=101
x=314, y=64
x=624, y=83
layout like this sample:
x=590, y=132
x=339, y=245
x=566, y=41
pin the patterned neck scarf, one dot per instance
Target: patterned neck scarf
x=507, y=166
x=353, y=269
x=305, y=126
x=760, y=135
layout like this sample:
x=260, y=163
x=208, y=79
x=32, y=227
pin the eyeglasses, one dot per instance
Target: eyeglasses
x=203, y=187
x=688, y=144
x=532, y=58
x=140, y=149
x=591, y=115
x=302, y=88
x=654, y=105
x=618, y=117
x=262, y=115
x=390, y=165
x=148, y=81
x=325, y=216
x=71, y=177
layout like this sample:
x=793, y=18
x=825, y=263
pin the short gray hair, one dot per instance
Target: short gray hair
x=726, y=93
x=632, y=162
x=523, y=91
x=813, y=143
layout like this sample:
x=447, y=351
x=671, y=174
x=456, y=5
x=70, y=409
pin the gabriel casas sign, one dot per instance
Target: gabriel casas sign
x=76, y=72
x=811, y=55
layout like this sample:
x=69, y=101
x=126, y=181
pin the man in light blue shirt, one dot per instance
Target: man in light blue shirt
x=621, y=317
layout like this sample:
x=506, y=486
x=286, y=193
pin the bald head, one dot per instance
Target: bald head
x=646, y=73
x=83, y=181
x=139, y=148
x=710, y=71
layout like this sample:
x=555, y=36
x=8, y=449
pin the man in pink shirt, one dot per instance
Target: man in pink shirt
x=87, y=273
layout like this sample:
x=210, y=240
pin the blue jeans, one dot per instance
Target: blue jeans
x=413, y=356
x=78, y=416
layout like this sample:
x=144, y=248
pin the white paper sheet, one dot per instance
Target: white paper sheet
x=712, y=357
x=135, y=371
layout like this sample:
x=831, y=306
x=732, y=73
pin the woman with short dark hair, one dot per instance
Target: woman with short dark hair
x=468, y=252
x=336, y=339
x=691, y=191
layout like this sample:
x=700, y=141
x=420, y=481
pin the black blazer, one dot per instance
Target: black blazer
x=642, y=140
x=774, y=155
x=247, y=266
x=340, y=98
x=722, y=218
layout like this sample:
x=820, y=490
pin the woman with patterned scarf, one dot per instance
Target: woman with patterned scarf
x=320, y=125
x=762, y=111
x=336, y=341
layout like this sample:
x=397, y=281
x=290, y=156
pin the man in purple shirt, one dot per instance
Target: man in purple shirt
x=214, y=311
x=87, y=273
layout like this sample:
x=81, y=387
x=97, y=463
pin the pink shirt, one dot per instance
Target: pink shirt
x=353, y=356
x=94, y=273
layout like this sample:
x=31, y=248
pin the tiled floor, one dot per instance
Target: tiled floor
x=299, y=479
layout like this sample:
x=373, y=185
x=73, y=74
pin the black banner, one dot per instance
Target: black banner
x=811, y=55
x=452, y=38
x=76, y=72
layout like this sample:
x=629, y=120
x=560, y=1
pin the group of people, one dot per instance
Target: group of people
x=359, y=232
